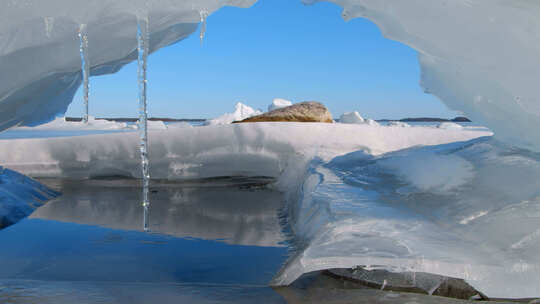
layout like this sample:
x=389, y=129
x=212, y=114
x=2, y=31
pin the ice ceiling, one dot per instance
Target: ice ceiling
x=478, y=56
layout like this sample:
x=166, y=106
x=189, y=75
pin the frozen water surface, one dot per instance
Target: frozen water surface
x=210, y=241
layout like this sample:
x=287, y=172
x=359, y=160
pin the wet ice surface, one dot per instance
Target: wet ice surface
x=218, y=241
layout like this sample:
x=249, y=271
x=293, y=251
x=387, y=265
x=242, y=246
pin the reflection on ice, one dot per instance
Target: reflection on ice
x=235, y=211
x=213, y=240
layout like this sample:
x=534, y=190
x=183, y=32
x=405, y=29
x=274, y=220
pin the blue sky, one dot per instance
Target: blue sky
x=277, y=48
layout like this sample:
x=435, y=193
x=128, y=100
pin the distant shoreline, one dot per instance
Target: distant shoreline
x=427, y=119
x=129, y=119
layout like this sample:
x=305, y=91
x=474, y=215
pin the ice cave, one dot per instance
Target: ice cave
x=447, y=201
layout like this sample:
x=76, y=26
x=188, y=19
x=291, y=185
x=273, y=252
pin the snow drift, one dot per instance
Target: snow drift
x=241, y=112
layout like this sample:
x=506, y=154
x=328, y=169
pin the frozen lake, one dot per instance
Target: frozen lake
x=218, y=240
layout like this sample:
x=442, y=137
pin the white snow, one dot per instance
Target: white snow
x=241, y=112
x=279, y=103
x=93, y=124
x=351, y=118
x=371, y=122
x=156, y=125
x=449, y=125
x=399, y=124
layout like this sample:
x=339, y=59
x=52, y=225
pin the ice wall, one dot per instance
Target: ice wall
x=469, y=210
x=477, y=56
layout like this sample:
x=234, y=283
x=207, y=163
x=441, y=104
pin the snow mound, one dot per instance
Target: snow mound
x=351, y=118
x=371, y=122
x=156, y=125
x=400, y=124
x=476, y=217
x=241, y=112
x=449, y=125
x=279, y=103
x=179, y=125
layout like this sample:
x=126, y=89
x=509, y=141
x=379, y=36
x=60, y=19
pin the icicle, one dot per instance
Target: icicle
x=143, y=49
x=49, y=25
x=83, y=38
x=204, y=15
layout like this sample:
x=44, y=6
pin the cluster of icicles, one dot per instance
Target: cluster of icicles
x=143, y=48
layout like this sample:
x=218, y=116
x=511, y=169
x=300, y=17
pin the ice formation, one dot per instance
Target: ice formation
x=351, y=118
x=262, y=149
x=143, y=40
x=85, y=66
x=241, y=112
x=430, y=209
x=478, y=57
x=279, y=103
x=204, y=16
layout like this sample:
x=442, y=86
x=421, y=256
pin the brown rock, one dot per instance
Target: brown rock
x=300, y=112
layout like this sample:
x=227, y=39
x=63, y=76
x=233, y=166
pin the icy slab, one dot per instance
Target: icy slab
x=351, y=118
x=467, y=210
x=279, y=103
x=258, y=149
x=20, y=196
x=241, y=112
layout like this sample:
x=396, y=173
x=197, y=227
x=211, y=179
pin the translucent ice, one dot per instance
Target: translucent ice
x=143, y=40
x=83, y=39
x=468, y=210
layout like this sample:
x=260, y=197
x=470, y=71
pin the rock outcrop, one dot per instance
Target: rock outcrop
x=300, y=112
